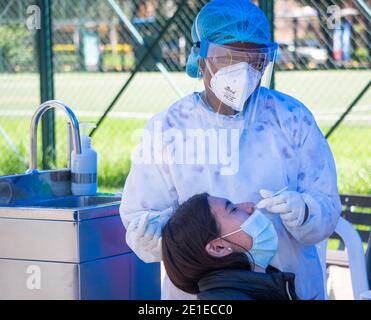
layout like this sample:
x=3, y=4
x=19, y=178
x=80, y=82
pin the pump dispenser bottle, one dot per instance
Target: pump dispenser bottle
x=84, y=166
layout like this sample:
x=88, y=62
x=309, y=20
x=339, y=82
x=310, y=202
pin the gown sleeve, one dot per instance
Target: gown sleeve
x=148, y=189
x=317, y=182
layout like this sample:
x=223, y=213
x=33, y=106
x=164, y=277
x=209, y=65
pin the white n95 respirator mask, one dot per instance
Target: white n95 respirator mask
x=234, y=84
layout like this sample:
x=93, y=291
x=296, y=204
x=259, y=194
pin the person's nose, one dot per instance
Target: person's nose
x=249, y=207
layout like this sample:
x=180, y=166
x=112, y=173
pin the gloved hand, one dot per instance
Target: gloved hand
x=289, y=204
x=144, y=238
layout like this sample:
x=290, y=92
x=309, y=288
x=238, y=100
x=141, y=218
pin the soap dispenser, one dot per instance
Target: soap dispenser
x=84, y=166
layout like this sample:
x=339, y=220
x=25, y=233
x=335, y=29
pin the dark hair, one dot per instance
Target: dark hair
x=184, y=238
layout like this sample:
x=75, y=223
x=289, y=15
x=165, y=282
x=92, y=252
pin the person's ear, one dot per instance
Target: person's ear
x=216, y=249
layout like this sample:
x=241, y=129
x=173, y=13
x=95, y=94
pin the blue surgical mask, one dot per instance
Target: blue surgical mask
x=264, y=235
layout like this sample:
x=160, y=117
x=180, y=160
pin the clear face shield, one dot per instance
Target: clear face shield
x=236, y=73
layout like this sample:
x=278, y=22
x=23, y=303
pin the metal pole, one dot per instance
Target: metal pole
x=45, y=55
x=139, y=65
x=160, y=66
x=2, y=59
x=268, y=8
x=295, y=25
x=81, y=28
x=340, y=120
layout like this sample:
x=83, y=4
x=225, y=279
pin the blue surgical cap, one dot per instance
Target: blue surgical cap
x=223, y=22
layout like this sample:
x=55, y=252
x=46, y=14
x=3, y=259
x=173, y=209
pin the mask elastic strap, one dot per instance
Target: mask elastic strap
x=212, y=74
x=229, y=234
x=209, y=68
x=238, y=245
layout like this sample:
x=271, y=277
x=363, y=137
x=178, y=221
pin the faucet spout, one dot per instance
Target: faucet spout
x=35, y=122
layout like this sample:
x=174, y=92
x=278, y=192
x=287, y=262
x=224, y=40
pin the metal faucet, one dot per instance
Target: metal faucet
x=34, y=124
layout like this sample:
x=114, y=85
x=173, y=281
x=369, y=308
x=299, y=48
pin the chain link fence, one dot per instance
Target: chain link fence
x=323, y=61
x=97, y=47
x=19, y=85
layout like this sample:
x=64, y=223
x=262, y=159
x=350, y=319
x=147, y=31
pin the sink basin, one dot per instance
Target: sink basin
x=73, y=202
x=46, y=195
x=67, y=208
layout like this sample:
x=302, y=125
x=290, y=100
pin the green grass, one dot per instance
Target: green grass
x=90, y=93
x=352, y=153
x=115, y=140
x=149, y=92
x=114, y=143
x=333, y=244
x=321, y=91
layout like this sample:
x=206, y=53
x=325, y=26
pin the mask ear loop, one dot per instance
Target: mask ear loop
x=213, y=74
x=236, y=244
x=208, y=85
x=206, y=62
x=250, y=258
x=231, y=233
x=207, y=65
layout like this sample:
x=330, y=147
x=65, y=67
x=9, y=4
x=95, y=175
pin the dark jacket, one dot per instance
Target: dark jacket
x=238, y=284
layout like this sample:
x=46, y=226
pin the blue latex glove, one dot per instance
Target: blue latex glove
x=289, y=204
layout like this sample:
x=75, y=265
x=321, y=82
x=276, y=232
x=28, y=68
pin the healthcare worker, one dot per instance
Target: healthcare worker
x=263, y=141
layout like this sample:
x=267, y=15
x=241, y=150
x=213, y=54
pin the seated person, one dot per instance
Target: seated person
x=219, y=250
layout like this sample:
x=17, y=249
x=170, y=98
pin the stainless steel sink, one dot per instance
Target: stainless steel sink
x=75, y=245
x=54, y=245
x=47, y=195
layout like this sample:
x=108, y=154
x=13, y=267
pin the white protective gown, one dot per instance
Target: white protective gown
x=283, y=146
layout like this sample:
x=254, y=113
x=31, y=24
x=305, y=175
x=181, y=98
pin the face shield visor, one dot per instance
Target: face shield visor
x=237, y=73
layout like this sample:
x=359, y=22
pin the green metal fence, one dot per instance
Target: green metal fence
x=116, y=63
x=324, y=61
x=19, y=84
